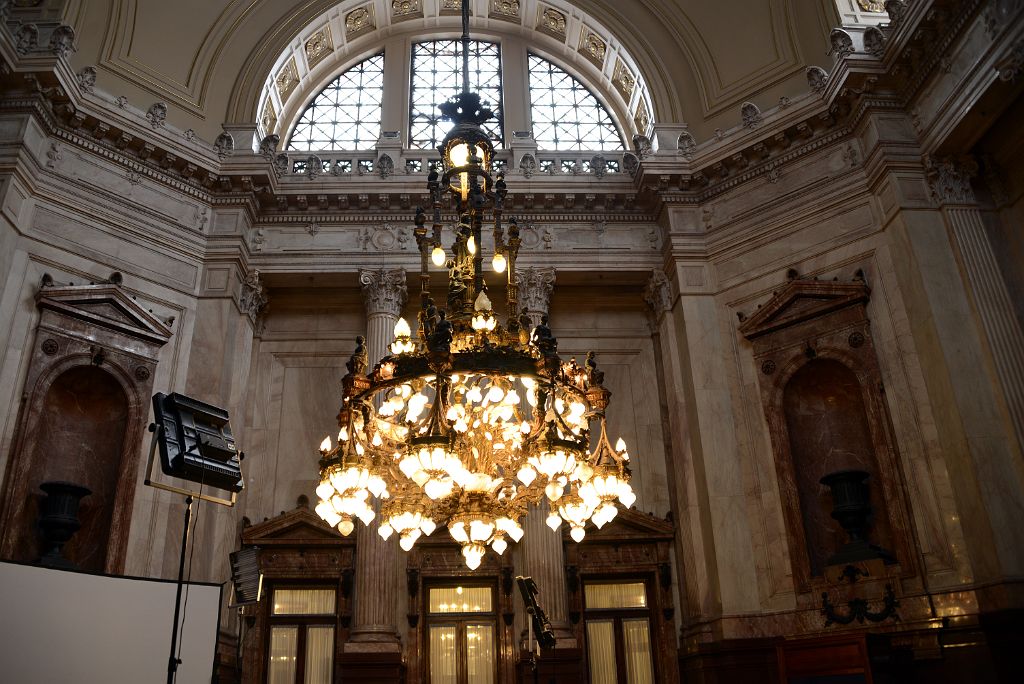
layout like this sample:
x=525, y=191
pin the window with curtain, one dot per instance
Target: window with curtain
x=462, y=635
x=302, y=621
x=437, y=77
x=617, y=622
x=566, y=115
x=345, y=115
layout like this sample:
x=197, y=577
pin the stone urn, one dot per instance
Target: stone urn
x=59, y=521
x=851, y=507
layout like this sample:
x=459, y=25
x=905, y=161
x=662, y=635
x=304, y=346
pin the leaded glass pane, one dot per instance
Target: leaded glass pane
x=437, y=77
x=566, y=115
x=346, y=114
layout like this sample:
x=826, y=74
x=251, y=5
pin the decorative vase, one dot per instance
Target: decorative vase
x=59, y=520
x=851, y=507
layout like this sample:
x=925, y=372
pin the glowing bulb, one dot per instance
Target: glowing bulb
x=554, y=521
x=407, y=541
x=325, y=445
x=627, y=498
x=526, y=475
x=577, y=534
x=346, y=526
x=459, y=155
x=499, y=545
x=402, y=328
x=428, y=526
x=385, y=531
x=482, y=303
x=438, y=256
x=620, y=445
x=471, y=244
x=498, y=262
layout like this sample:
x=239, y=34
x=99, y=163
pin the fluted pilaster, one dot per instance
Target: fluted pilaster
x=543, y=557
x=951, y=188
x=376, y=577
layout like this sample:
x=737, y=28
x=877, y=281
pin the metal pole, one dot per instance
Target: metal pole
x=465, y=46
x=173, y=662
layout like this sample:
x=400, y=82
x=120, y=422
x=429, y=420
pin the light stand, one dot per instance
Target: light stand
x=195, y=445
x=538, y=622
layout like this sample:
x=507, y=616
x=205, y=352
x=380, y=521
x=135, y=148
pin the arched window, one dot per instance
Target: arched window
x=437, y=77
x=566, y=115
x=345, y=115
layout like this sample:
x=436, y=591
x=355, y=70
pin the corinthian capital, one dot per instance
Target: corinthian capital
x=950, y=179
x=384, y=291
x=535, y=286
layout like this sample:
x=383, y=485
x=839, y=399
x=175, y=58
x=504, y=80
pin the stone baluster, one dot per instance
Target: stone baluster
x=543, y=557
x=376, y=577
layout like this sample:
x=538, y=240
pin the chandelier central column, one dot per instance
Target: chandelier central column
x=376, y=577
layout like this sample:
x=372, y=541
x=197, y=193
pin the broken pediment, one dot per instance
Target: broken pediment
x=103, y=305
x=803, y=300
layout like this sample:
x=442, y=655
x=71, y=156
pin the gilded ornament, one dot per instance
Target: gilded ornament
x=593, y=47
x=319, y=46
x=552, y=22
x=505, y=9
x=406, y=9
x=269, y=117
x=359, y=21
x=641, y=117
x=623, y=80
x=872, y=5
x=287, y=79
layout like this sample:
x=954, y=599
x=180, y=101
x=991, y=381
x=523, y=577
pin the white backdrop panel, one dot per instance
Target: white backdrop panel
x=62, y=626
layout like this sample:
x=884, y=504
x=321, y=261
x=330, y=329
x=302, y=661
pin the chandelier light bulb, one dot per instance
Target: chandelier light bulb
x=471, y=245
x=498, y=262
x=428, y=526
x=554, y=521
x=620, y=445
x=438, y=256
x=473, y=553
x=346, y=526
x=325, y=445
x=527, y=475
x=402, y=328
x=499, y=545
x=628, y=498
x=577, y=534
x=385, y=531
x=324, y=490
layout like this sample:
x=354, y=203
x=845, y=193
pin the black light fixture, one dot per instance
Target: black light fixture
x=246, y=578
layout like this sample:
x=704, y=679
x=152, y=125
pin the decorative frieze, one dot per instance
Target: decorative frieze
x=359, y=21
x=593, y=47
x=505, y=9
x=623, y=80
x=552, y=22
x=287, y=79
x=319, y=46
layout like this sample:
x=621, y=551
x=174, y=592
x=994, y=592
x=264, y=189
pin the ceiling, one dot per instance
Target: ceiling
x=209, y=60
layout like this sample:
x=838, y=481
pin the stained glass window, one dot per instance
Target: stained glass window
x=566, y=115
x=346, y=114
x=437, y=77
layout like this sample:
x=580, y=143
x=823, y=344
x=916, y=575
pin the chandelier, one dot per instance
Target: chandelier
x=468, y=421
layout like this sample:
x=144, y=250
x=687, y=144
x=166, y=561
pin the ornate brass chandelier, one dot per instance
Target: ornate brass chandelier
x=468, y=422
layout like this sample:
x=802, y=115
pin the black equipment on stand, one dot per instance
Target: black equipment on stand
x=538, y=624
x=196, y=445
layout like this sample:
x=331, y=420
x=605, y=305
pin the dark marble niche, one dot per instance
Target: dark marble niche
x=828, y=431
x=81, y=436
x=83, y=418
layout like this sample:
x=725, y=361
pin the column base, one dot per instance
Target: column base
x=376, y=667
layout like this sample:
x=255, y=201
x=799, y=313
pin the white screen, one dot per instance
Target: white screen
x=60, y=626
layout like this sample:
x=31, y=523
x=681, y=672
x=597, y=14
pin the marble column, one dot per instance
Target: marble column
x=374, y=627
x=542, y=555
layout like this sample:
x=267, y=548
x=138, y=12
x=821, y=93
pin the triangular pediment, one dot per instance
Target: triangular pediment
x=298, y=527
x=104, y=305
x=802, y=300
x=628, y=526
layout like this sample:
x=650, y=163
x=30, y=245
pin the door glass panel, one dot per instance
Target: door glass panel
x=284, y=642
x=303, y=602
x=601, y=651
x=637, y=637
x=480, y=653
x=319, y=654
x=443, y=661
x=460, y=600
x=631, y=595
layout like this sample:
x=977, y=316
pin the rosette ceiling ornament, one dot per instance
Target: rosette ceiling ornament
x=470, y=420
